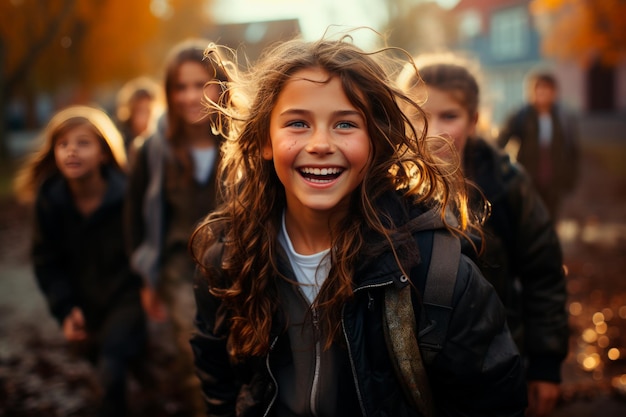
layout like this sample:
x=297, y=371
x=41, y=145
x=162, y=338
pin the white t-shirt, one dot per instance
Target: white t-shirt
x=311, y=270
x=545, y=129
x=203, y=161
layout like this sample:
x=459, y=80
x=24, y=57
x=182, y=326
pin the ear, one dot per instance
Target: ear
x=266, y=150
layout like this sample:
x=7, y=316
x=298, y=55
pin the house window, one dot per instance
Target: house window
x=470, y=25
x=509, y=33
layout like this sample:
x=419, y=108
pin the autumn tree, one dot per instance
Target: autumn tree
x=583, y=30
x=69, y=48
x=185, y=18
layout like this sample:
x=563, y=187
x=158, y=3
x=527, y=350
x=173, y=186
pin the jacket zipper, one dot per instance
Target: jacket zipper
x=314, y=385
x=269, y=371
x=345, y=335
x=318, y=359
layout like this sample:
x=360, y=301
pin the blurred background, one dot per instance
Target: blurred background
x=59, y=52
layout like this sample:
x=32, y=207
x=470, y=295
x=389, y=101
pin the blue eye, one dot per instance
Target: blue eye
x=345, y=125
x=297, y=124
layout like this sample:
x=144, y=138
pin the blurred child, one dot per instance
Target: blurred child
x=325, y=187
x=78, y=180
x=172, y=187
x=547, y=137
x=522, y=255
x=138, y=108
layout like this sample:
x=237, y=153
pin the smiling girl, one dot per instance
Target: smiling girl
x=172, y=186
x=80, y=262
x=325, y=184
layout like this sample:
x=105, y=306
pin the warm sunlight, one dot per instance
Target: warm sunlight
x=314, y=17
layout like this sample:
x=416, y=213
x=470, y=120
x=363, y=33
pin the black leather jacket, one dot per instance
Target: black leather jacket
x=522, y=259
x=81, y=261
x=478, y=372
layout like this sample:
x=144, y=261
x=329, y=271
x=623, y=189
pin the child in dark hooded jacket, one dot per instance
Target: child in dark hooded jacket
x=325, y=184
x=77, y=179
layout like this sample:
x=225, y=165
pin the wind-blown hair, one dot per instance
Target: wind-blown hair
x=41, y=165
x=248, y=221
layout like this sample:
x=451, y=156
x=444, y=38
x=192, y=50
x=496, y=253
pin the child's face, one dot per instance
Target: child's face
x=319, y=143
x=78, y=153
x=188, y=92
x=141, y=113
x=544, y=95
x=447, y=117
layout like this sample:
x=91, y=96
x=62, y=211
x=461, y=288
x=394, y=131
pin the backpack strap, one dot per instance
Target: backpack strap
x=400, y=327
x=437, y=297
x=399, y=324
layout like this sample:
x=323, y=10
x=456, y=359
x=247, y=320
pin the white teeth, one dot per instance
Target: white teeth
x=321, y=171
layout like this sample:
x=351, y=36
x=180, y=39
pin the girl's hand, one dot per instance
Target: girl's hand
x=74, y=326
x=542, y=398
x=152, y=304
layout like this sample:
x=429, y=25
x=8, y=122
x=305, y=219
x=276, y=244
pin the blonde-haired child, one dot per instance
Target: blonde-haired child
x=76, y=180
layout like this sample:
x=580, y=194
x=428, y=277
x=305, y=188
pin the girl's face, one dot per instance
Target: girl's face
x=447, y=117
x=188, y=92
x=318, y=142
x=78, y=153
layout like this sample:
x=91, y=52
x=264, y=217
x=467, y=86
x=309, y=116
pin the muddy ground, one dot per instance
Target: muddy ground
x=40, y=377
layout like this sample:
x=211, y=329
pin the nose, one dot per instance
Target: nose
x=72, y=148
x=193, y=95
x=320, y=142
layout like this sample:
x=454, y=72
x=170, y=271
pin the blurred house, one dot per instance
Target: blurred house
x=506, y=38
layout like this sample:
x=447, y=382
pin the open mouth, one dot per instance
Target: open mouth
x=321, y=175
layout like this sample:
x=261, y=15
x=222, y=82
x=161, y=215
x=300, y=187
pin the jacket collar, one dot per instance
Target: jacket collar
x=57, y=190
x=488, y=167
x=377, y=265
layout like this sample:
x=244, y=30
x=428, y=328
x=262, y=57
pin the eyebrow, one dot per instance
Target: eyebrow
x=295, y=112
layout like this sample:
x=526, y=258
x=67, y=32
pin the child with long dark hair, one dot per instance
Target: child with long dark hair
x=172, y=186
x=331, y=205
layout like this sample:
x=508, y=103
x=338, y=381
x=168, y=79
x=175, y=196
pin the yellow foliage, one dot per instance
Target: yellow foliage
x=93, y=43
x=584, y=30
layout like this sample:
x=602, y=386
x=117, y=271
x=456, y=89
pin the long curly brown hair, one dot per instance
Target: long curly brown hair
x=253, y=198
